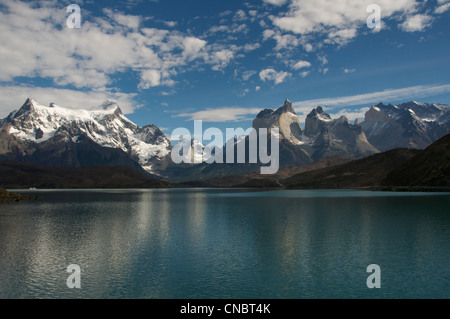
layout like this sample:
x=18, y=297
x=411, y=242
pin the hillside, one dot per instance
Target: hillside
x=258, y=180
x=431, y=167
x=15, y=175
x=366, y=172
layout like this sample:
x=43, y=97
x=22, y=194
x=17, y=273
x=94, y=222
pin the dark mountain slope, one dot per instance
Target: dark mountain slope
x=16, y=175
x=259, y=180
x=366, y=172
x=431, y=167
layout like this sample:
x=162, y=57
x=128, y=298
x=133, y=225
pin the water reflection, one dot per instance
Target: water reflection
x=225, y=244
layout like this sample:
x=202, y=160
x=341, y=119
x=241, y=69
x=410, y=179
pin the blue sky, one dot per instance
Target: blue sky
x=173, y=61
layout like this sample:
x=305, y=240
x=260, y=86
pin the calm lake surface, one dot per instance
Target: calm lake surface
x=205, y=243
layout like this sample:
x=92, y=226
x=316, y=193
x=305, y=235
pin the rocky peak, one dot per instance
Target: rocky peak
x=27, y=107
x=375, y=114
x=319, y=113
x=315, y=121
x=265, y=113
x=283, y=118
x=286, y=108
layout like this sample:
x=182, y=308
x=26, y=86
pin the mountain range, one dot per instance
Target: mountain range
x=59, y=137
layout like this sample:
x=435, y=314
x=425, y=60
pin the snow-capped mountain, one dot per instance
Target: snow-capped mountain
x=197, y=154
x=410, y=125
x=59, y=136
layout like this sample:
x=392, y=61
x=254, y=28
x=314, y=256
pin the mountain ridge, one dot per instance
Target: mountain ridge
x=43, y=134
x=17, y=175
x=60, y=137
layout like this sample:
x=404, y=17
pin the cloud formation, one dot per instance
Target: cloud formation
x=339, y=21
x=335, y=106
x=390, y=95
x=36, y=43
x=277, y=77
x=75, y=99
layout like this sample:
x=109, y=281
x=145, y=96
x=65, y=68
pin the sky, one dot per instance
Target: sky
x=170, y=62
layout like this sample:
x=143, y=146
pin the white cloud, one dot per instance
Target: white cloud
x=341, y=37
x=306, y=16
x=337, y=21
x=244, y=92
x=322, y=59
x=276, y=2
x=272, y=75
x=251, y=46
x=240, y=15
x=36, y=43
x=220, y=28
x=301, y=64
x=229, y=28
x=389, y=95
x=284, y=41
x=443, y=8
x=192, y=47
x=346, y=71
x=221, y=59
x=304, y=74
x=170, y=24
x=129, y=21
x=335, y=106
x=224, y=114
x=350, y=114
x=150, y=78
x=308, y=47
x=418, y=22
x=248, y=74
x=12, y=98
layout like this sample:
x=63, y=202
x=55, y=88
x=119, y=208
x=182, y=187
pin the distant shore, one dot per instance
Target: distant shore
x=443, y=189
x=8, y=197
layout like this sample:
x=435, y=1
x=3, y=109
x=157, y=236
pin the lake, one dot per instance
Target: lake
x=226, y=243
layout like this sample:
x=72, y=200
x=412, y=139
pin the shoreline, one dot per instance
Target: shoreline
x=9, y=194
x=9, y=197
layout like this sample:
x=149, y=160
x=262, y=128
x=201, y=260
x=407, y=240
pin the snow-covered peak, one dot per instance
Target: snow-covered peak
x=106, y=126
x=32, y=108
x=319, y=114
x=111, y=106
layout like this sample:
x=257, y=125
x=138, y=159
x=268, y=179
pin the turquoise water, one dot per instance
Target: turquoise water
x=204, y=243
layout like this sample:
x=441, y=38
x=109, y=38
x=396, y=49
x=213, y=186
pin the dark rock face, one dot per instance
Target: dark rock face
x=337, y=137
x=431, y=168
